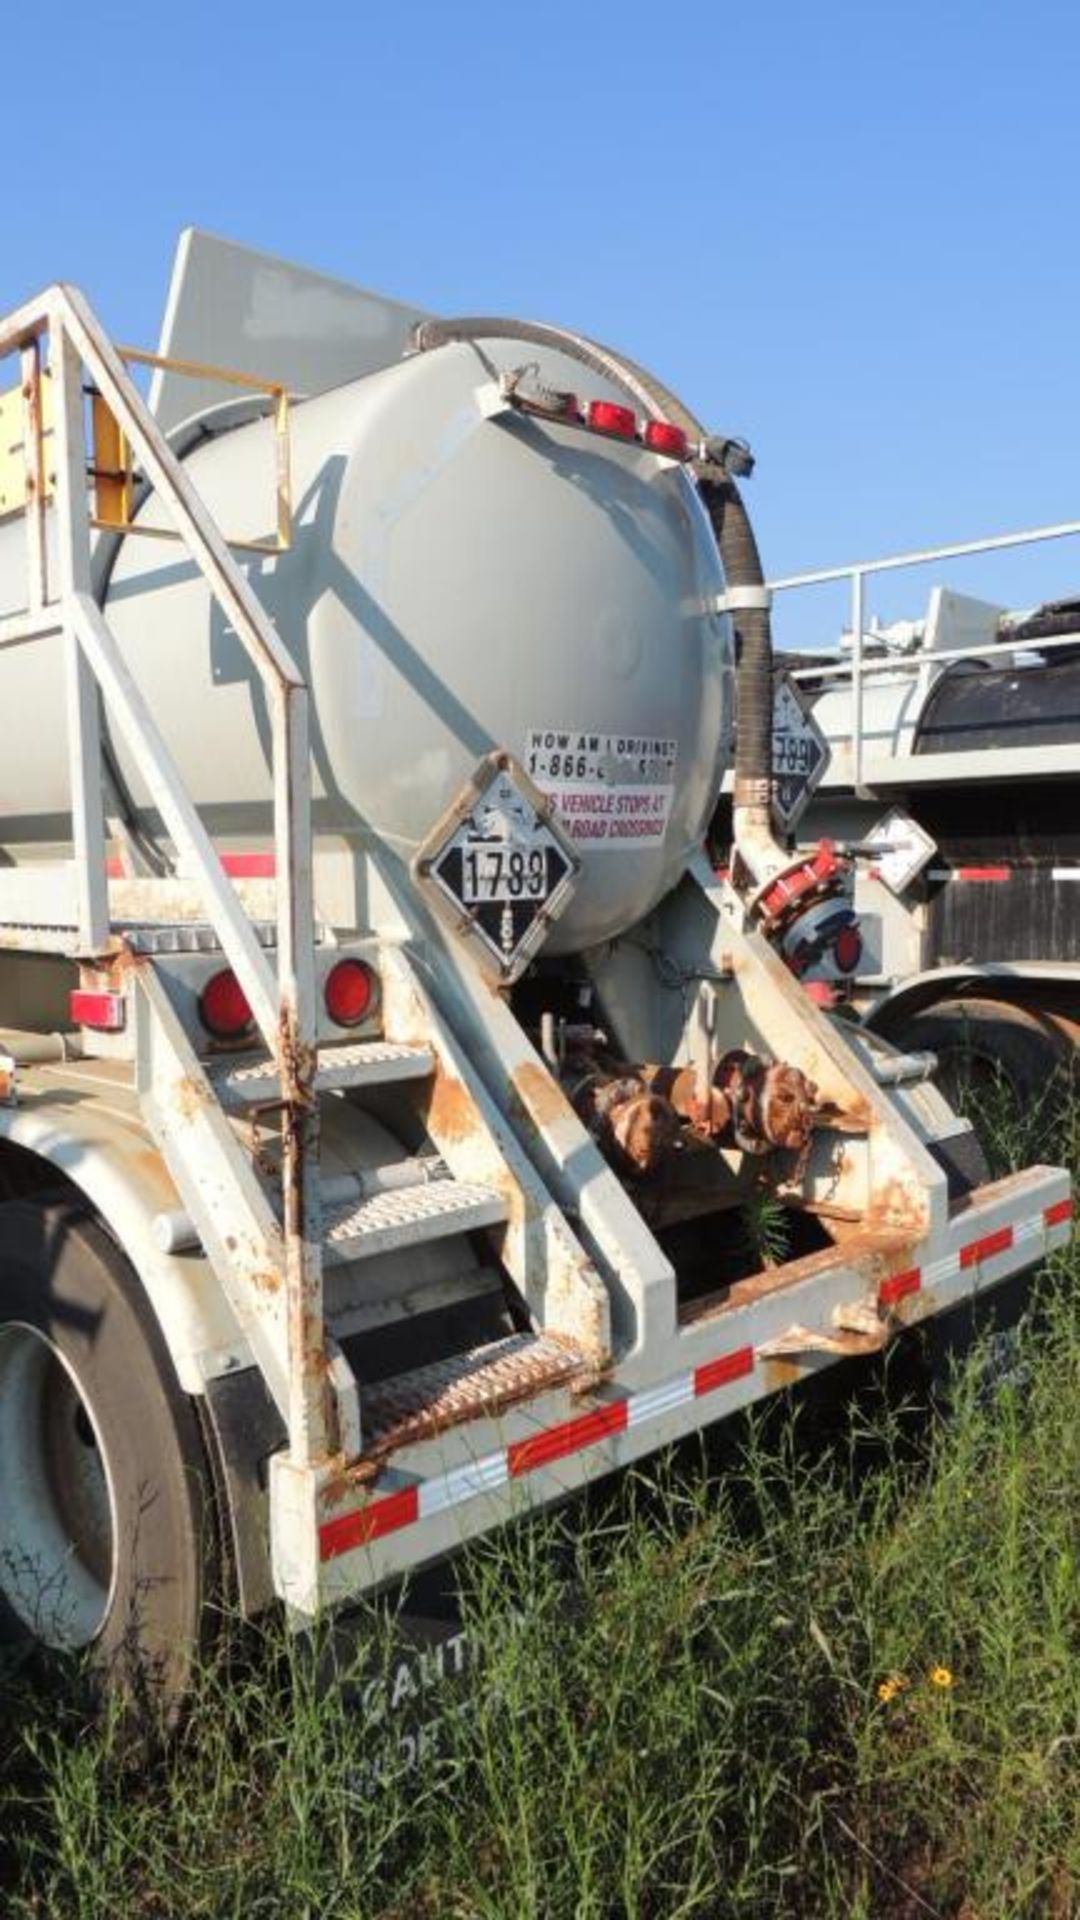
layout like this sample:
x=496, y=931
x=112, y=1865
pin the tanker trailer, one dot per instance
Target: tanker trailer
x=955, y=763
x=386, y=1070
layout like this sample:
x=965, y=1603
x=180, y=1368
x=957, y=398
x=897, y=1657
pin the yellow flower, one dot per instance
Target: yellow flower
x=888, y=1689
x=940, y=1677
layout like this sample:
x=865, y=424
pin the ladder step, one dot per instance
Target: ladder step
x=405, y=1216
x=245, y=1080
x=470, y=1386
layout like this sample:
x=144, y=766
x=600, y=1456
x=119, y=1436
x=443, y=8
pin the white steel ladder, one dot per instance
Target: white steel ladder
x=59, y=331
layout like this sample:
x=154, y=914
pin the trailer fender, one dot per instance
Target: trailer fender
x=121, y=1173
x=1030, y=984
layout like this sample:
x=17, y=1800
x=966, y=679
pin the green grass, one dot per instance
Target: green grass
x=692, y=1724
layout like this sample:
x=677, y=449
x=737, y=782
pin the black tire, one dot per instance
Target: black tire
x=961, y=1157
x=106, y=1529
x=983, y=1044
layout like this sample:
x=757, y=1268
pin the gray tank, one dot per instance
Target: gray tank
x=455, y=583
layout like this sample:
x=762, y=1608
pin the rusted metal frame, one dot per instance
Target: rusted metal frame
x=903, y=1185
x=146, y=532
x=26, y=323
x=37, y=584
x=230, y=376
x=165, y=474
x=289, y=1027
x=199, y=370
x=723, y=1360
x=215, y=1180
x=83, y=711
x=540, y=1251
x=235, y=596
x=296, y=1053
x=143, y=738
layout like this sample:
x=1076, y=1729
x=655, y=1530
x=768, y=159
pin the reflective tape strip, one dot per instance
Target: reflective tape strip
x=364, y=1524
x=239, y=866
x=991, y=1243
x=425, y=1499
x=898, y=1286
x=720, y=1373
x=937, y=1272
x=655, y=1401
x=1000, y=873
x=249, y=866
x=1033, y=1230
x=463, y=1483
x=572, y=1436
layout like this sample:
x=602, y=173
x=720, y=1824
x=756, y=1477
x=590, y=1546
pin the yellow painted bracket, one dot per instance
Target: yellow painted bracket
x=26, y=427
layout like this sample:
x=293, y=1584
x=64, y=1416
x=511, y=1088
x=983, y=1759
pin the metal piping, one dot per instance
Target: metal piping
x=39, y=1049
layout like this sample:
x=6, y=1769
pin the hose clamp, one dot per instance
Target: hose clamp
x=744, y=600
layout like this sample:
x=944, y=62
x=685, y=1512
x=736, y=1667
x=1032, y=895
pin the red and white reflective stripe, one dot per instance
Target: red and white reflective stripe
x=249, y=866
x=239, y=866
x=989, y=1246
x=1020, y=1243
x=991, y=874
x=976, y=1251
x=542, y=1449
x=898, y=1286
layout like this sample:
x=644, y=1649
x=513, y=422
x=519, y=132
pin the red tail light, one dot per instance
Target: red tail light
x=847, y=949
x=605, y=417
x=223, y=1007
x=103, y=1012
x=349, y=992
x=663, y=436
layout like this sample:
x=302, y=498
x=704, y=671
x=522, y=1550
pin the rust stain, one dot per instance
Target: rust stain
x=152, y=1168
x=265, y=1279
x=865, y=1251
x=334, y=1491
x=898, y=1204
x=189, y=1098
x=115, y=969
x=451, y=1113
x=541, y=1098
x=780, y=1373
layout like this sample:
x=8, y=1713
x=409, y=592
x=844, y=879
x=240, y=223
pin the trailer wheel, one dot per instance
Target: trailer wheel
x=105, y=1531
x=982, y=1043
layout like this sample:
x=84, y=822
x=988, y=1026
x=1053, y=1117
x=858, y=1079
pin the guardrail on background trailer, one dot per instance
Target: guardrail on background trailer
x=858, y=665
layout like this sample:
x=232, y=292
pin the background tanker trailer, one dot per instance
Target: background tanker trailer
x=955, y=760
x=385, y=1067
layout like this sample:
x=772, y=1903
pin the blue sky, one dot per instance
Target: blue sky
x=846, y=231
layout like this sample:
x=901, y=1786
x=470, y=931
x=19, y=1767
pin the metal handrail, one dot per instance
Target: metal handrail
x=857, y=572
x=283, y=1008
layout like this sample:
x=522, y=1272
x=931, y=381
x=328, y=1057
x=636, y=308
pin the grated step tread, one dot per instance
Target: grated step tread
x=406, y=1216
x=247, y=1079
x=474, y=1385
